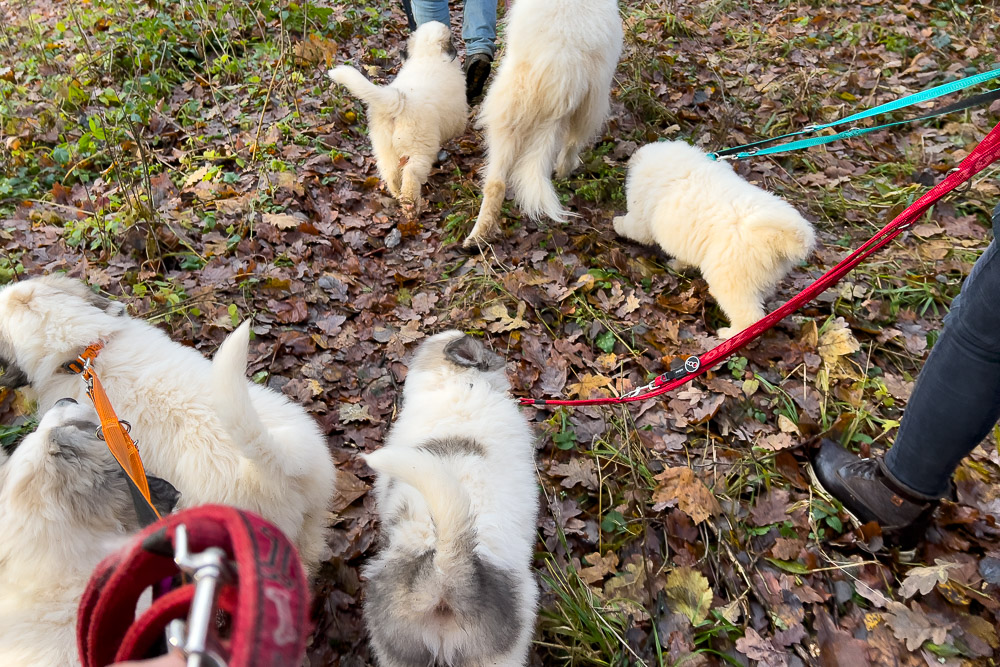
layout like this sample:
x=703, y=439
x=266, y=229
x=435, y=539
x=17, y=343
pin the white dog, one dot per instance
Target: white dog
x=458, y=499
x=202, y=426
x=64, y=506
x=550, y=97
x=742, y=238
x=412, y=117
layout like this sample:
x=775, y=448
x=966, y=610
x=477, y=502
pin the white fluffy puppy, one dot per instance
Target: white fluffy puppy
x=458, y=500
x=64, y=506
x=742, y=238
x=412, y=117
x=550, y=96
x=200, y=425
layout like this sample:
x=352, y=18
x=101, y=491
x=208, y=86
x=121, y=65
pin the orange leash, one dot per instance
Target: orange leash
x=114, y=431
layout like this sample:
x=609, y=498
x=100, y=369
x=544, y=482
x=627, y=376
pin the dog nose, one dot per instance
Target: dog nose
x=65, y=401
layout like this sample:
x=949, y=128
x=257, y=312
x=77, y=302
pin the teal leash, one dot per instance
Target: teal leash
x=754, y=148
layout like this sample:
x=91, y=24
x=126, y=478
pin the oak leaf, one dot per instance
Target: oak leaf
x=914, y=627
x=576, y=471
x=923, y=579
x=755, y=647
x=692, y=496
x=599, y=566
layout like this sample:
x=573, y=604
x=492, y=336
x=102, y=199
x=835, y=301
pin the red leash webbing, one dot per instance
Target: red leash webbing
x=985, y=154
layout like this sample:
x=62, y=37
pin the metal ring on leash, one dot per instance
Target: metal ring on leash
x=100, y=433
x=964, y=187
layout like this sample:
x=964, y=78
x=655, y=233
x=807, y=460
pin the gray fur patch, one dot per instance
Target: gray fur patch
x=396, y=581
x=11, y=376
x=470, y=352
x=483, y=603
x=102, y=302
x=453, y=446
x=494, y=604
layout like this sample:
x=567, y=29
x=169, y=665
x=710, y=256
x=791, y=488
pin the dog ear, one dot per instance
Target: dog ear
x=163, y=494
x=450, y=49
x=11, y=377
x=470, y=352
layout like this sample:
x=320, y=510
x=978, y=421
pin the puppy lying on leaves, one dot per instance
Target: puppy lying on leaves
x=458, y=500
x=64, y=506
x=742, y=238
x=201, y=425
x=411, y=118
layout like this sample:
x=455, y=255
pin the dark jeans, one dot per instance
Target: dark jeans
x=956, y=400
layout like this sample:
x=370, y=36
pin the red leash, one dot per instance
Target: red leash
x=239, y=562
x=985, y=154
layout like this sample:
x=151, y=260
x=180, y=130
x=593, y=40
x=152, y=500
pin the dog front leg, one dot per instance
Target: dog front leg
x=741, y=302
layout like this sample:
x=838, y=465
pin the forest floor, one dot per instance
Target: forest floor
x=193, y=159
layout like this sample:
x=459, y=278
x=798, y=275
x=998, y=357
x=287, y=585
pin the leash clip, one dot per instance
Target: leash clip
x=208, y=568
x=690, y=365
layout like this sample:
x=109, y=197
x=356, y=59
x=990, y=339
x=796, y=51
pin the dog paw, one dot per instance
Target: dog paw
x=474, y=245
x=725, y=333
x=411, y=210
x=618, y=224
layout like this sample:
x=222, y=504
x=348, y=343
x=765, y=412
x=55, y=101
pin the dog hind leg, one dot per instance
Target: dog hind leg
x=583, y=125
x=416, y=171
x=503, y=148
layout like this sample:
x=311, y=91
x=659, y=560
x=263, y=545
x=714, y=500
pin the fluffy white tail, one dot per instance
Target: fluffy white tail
x=447, y=502
x=231, y=395
x=531, y=177
x=383, y=98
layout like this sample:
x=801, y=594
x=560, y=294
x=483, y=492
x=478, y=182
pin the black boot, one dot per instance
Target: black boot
x=871, y=493
x=477, y=70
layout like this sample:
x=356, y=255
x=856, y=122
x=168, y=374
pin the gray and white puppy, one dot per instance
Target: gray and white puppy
x=458, y=498
x=64, y=506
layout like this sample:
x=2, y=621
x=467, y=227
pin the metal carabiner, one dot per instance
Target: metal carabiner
x=208, y=568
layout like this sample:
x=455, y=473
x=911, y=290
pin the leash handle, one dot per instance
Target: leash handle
x=985, y=154
x=115, y=434
x=263, y=588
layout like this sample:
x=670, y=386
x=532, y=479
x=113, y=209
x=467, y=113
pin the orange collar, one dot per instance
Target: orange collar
x=115, y=433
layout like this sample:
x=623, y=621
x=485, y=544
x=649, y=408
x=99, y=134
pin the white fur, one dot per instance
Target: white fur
x=200, y=425
x=464, y=508
x=61, y=513
x=742, y=238
x=550, y=97
x=411, y=118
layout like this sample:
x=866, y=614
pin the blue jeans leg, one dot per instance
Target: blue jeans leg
x=479, y=27
x=956, y=399
x=425, y=11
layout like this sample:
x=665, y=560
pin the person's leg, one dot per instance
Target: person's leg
x=956, y=400
x=479, y=32
x=955, y=403
x=425, y=11
x=479, y=27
